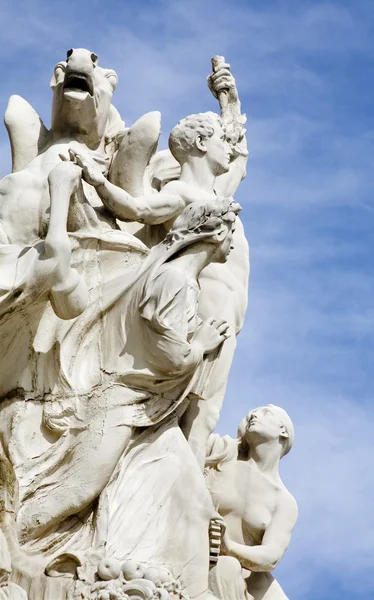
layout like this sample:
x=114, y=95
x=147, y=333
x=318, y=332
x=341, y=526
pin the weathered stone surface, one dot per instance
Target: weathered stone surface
x=123, y=285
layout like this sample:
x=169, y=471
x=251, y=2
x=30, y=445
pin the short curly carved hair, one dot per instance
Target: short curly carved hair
x=183, y=136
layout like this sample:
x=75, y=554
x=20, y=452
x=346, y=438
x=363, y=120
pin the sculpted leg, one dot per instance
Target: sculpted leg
x=263, y=586
x=226, y=580
x=201, y=416
x=81, y=474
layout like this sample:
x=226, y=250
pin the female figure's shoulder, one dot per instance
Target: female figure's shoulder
x=287, y=503
x=286, y=513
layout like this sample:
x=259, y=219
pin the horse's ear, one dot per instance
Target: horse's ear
x=58, y=74
x=112, y=77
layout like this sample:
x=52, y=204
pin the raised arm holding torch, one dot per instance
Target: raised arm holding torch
x=222, y=85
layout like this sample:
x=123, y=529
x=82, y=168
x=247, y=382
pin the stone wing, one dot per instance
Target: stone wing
x=136, y=148
x=27, y=132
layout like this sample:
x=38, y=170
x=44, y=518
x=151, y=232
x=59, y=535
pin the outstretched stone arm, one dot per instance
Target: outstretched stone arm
x=222, y=84
x=28, y=271
x=151, y=209
x=227, y=184
x=265, y=557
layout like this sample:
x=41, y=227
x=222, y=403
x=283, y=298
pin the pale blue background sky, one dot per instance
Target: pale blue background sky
x=305, y=71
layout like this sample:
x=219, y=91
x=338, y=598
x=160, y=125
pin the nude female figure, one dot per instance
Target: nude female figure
x=256, y=511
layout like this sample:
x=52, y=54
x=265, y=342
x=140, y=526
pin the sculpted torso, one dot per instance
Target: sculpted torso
x=247, y=502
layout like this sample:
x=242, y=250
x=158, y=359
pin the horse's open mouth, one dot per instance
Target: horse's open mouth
x=78, y=82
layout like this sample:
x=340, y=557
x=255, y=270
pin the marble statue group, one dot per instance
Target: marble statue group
x=123, y=286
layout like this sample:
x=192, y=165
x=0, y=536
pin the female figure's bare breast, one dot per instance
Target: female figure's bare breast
x=247, y=503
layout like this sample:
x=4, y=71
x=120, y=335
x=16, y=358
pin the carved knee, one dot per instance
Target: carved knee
x=229, y=566
x=226, y=579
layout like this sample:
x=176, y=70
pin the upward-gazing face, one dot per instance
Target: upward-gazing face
x=265, y=422
x=218, y=150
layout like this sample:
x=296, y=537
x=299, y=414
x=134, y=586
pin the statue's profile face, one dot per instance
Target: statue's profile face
x=226, y=245
x=218, y=150
x=264, y=421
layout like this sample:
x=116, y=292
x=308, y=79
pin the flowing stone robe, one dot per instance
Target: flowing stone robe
x=48, y=399
x=69, y=385
x=157, y=508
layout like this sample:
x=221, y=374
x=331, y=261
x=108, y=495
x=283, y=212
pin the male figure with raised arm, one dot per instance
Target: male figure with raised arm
x=210, y=166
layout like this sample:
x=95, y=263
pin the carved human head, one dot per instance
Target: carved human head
x=212, y=222
x=267, y=423
x=82, y=95
x=203, y=136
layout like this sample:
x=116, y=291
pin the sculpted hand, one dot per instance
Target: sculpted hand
x=90, y=171
x=223, y=80
x=218, y=520
x=210, y=334
x=225, y=541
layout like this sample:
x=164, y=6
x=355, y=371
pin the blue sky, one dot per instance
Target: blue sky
x=305, y=72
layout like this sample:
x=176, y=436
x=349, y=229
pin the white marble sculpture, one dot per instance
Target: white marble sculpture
x=123, y=285
x=256, y=512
